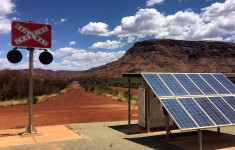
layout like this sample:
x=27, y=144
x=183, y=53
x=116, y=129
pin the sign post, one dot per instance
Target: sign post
x=30, y=35
x=31, y=129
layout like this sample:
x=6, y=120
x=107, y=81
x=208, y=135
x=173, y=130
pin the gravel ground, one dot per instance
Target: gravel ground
x=117, y=135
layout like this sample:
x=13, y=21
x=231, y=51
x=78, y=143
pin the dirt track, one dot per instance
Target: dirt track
x=73, y=106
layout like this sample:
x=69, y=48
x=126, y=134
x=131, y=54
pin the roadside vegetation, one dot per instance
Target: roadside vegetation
x=14, y=86
x=108, y=87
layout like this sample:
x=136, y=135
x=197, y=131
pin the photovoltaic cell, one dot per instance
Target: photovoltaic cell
x=173, y=84
x=230, y=100
x=188, y=110
x=214, y=84
x=224, y=108
x=225, y=82
x=157, y=85
x=180, y=116
x=196, y=112
x=188, y=84
x=204, y=87
x=212, y=111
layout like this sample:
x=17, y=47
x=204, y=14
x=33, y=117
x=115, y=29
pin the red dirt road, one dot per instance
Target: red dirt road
x=73, y=106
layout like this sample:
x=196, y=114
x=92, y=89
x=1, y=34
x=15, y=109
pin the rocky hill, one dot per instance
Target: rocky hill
x=172, y=56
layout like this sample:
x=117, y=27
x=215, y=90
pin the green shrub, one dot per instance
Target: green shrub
x=125, y=94
x=35, y=100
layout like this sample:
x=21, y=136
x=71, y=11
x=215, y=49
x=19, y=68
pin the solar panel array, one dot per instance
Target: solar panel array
x=195, y=101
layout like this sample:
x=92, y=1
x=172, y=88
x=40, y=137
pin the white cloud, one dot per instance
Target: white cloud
x=230, y=39
x=79, y=59
x=130, y=39
x=72, y=43
x=153, y=2
x=6, y=8
x=215, y=22
x=62, y=20
x=95, y=28
x=73, y=59
x=65, y=51
x=221, y=14
x=5, y=25
x=107, y=45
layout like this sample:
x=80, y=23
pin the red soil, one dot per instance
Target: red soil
x=73, y=106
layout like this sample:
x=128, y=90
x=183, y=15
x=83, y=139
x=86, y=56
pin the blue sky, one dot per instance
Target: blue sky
x=88, y=33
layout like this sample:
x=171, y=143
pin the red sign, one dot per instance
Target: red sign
x=32, y=35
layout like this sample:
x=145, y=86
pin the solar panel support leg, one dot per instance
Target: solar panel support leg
x=129, y=101
x=199, y=139
x=167, y=127
x=218, y=130
x=147, y=110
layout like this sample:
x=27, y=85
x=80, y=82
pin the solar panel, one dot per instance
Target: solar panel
x=195, y=101
x=224, y=108
x=173, y=84
x=212, y=111
x=180, y=116
x=214, y=84
x=188, y=84
x=225, y=82
x=157, y=85
x=204, y=87
x=196, y=112
x=230, y=100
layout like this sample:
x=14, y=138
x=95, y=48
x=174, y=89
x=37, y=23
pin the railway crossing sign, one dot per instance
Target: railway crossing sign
x=31, y=35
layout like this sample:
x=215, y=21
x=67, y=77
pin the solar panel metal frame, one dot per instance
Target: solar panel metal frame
x=203, y=76
x=190, y=96
x=153, y=88
x=203, y=94
x=177, y=82
x=190, y=82
x=220, y=116
x=202, y=84
x=202, y=127
x=223, y=83
x=200, y=109
x=167, y=109
x=224, y=107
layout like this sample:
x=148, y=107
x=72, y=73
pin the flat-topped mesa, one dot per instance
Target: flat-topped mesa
x=166, y=55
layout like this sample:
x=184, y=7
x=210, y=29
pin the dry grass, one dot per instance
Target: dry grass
x=24, y=101
x=120, y=97
x=13, y=102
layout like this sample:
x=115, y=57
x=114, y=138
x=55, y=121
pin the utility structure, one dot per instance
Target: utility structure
x=195, y=101
x=30, y=36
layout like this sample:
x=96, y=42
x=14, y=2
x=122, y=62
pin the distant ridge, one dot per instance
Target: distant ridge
x=60, y=73
x=166, y=55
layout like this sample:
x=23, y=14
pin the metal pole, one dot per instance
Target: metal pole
x=199, y=139
x=147, y=110
x=30, y=129
x=129, y=101
x=167, y=127
x=218, y=130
